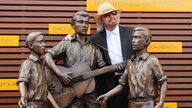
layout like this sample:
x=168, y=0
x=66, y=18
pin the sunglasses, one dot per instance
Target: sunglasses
x=109, y=14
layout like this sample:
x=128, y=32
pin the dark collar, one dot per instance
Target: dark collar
x=143, y=56
x=86, y=40
x=33, y=58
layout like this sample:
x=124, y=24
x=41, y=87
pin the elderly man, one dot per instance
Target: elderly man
x=114, y=42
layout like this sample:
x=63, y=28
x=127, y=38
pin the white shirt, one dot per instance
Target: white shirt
x=114, y=45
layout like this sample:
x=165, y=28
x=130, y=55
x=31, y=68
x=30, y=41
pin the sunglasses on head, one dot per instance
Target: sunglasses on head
x=109, y=14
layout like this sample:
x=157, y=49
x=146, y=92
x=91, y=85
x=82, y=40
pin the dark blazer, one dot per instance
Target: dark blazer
x=126, y=37
x=108, y=81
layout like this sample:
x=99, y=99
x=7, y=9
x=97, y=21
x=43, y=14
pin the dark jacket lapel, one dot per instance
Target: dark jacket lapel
x=103, y=43
x=123, y=42
x=126, y=38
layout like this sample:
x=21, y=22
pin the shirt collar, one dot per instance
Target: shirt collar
x=115, y=31
x=86, y=40
x=143, y=56
x=33, y=58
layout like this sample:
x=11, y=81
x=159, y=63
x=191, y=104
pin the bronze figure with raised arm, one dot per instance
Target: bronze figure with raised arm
x=114, y=41
x=143, y=75
x=73, y=52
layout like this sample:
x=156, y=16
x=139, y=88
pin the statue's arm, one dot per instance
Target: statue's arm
x=163, y=90
x=23, y=91
x=52, y=100
x=51, y=64
x=115, y=91
x=103, y=98
x=161, y=80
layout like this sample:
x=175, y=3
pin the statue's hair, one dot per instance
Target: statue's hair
x=78, y=13
x=145, y=31
x=100, y=26
x=31, y=38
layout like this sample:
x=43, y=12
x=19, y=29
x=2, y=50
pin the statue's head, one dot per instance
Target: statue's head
x=141, y=38
x=80, y=22
x=35, y=42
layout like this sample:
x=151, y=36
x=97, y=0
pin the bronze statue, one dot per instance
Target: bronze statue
x=114, y=41
x=32, y=76
x=82, y=56
x=143, y=75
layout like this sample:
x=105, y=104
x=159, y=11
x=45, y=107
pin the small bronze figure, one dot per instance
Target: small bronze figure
x=32, y=76
x=143, y=75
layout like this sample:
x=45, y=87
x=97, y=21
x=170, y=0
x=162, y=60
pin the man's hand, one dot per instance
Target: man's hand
x=23, y=102
x=102, y=99
x=66, y=79
x=69, y=37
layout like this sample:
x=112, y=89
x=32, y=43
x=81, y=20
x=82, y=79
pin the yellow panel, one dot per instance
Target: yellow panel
x=165, y=47
x=145, y=5
x=8, y=84
x=62, y=29
x=9, y=40
x=170, y=105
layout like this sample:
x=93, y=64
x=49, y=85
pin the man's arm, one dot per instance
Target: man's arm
x=51, y=64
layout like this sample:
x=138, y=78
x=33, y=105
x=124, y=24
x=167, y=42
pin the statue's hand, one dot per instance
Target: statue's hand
x=23, y=102
x=69, y=37
x=121, y=66
x=102, y=99
x=158, y=106
x=66, y=79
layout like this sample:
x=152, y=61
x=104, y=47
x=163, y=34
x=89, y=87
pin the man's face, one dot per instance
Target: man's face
x=81, y=25
x=138, y=41
x=38, y=46
x=111, y=19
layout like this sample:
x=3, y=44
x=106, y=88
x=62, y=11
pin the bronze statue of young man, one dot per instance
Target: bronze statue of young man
x=114, y=41
x=143, y=75
x=32, y=80
x=79, y=49
x=32, y=76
